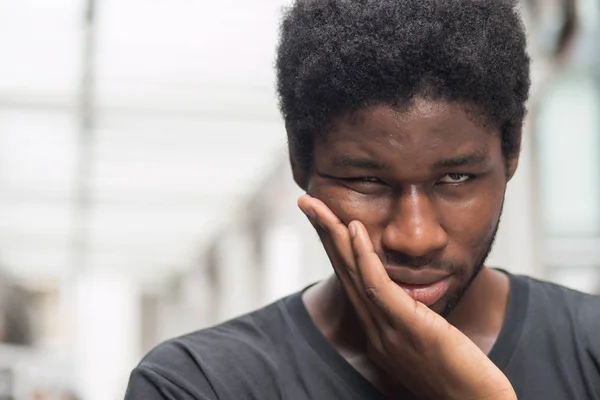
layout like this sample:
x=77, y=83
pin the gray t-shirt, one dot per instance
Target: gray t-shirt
x=549, y=347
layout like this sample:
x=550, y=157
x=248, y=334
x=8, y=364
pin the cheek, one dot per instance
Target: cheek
x=470, y=225
x=349, y=205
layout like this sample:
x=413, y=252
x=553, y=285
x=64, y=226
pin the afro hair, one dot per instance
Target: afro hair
x=336, y=57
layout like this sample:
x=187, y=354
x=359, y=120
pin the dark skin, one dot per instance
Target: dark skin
x=427, y=183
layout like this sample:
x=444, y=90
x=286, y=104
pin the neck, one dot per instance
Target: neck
x=479, y=314
x=334, y=315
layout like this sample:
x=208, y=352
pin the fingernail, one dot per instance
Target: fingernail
x=352, y=229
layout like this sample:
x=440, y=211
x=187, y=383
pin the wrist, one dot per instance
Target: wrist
x=506, y=393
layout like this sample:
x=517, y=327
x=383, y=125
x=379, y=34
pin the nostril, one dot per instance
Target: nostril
x=417, y=243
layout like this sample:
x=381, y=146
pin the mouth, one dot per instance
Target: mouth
x=426, y=286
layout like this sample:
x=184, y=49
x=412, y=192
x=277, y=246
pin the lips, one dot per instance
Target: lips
x=427, y=286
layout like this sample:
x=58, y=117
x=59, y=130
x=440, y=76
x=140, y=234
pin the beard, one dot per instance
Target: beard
x=393, y=259
x=478, y=266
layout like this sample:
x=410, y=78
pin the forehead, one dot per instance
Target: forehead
x=424, y=132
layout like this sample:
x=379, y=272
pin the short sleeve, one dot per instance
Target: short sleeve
x=589, y=323
x=170, y=372
x=146, y=384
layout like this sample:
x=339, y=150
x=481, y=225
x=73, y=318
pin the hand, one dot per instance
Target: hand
x=417, y=347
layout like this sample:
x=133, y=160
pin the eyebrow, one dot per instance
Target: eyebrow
x=363, y=163
x=466, y=159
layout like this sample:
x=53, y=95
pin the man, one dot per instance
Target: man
x=404, y=123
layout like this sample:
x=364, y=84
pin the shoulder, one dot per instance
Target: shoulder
x=579, y=310
x=561, y=296
x=241, y=350
x=231, y=340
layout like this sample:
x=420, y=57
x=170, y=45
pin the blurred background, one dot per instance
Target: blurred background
x=145, y=190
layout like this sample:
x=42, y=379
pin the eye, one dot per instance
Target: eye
x=455, y=178
x=365, y=184
x=364, y=179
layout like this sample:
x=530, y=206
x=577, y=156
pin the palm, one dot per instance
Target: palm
x=413, y=344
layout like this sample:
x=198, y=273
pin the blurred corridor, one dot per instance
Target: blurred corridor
x=145, y=187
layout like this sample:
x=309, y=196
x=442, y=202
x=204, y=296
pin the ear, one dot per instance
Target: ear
x=300, y=174
x=513, y=162
x=511, y=166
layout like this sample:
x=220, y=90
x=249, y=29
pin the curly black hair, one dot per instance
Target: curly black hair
x=336, y=57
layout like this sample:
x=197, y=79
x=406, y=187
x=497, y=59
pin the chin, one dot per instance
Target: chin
x=442, y=307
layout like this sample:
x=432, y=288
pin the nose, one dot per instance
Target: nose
x=414, y=228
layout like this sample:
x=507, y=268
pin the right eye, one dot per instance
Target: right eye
x=364, y=179
x=364, y=184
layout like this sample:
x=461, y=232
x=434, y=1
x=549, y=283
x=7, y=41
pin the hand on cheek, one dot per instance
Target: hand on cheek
x=406, y=338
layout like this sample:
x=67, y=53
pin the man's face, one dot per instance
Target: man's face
x=428, y=184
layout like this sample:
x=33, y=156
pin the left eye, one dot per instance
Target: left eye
x=455, y=178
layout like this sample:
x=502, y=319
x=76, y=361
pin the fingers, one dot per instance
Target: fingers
x=327, y=221
x=379, y=288
x=336, y=240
